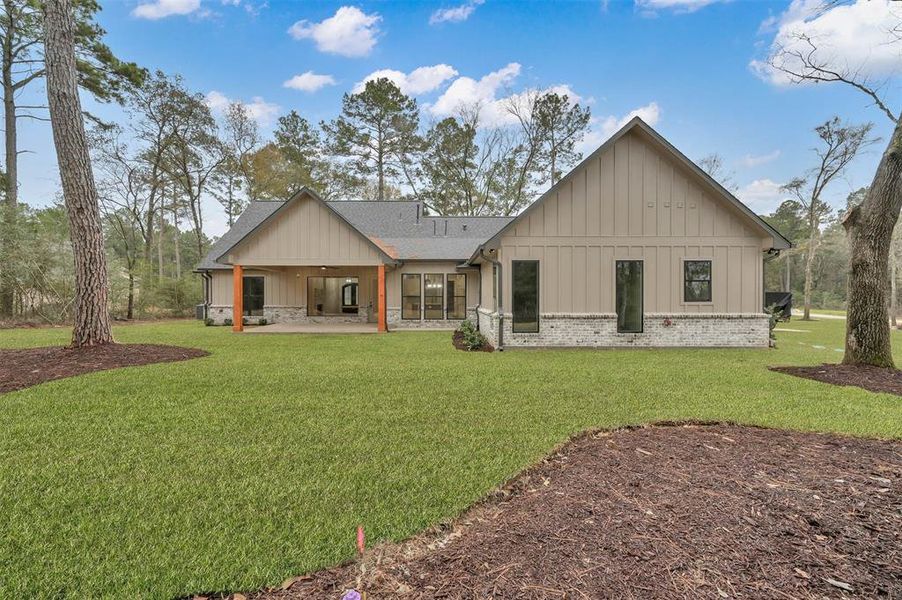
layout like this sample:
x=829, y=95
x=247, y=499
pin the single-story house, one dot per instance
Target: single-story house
x=636, y=246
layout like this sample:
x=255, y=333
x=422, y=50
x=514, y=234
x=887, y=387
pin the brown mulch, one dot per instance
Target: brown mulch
x=661, y=512
x=457, y=339
x=27, y=367
x=873, y=379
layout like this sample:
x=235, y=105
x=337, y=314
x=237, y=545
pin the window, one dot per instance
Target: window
x=457, y=296
x=410, y=296
x=696, y=281
x=433, y=295
x=252, y=297
x=494, y=286
x=525, y=293
x=629, y=296
x=331, y=296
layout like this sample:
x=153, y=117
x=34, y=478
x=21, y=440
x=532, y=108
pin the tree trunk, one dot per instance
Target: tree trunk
x=787, y=287
x=130, y=310
x=12, y=174
x=809, y=263
x=870, y=228
x=892, y=288
x=177, y=246
x=92, y=316
x=161, y=238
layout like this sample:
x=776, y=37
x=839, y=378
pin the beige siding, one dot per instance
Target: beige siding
x=635, y=201
x=287, y=286
x=305, y=233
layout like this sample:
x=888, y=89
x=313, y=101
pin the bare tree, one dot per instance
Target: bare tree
x=713, y=165
x=92, y=317
x=870, y=224
x=841, y=144
x=241, y=137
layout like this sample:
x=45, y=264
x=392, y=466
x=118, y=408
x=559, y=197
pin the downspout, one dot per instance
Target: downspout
x=500, y=307
x=208, y=282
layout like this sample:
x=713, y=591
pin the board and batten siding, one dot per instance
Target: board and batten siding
x=634, y=201
x=306, y=232
x=287, y=286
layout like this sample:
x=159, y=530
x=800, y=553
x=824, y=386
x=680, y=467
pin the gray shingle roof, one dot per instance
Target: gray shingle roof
x=395, y=225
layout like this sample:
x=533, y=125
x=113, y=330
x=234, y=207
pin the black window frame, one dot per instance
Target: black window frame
x=709, y=280
x=641, y=294
x=449, y=297
x=246, y=296
x=419, y=297
x=538, y=298
x=441, y=297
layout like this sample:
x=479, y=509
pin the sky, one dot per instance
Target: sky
x=691, y=68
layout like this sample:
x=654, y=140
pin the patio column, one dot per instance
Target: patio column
x=383, y=324
x=237, y=298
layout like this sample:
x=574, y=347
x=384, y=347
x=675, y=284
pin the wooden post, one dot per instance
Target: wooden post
x=383, y=325
x=237, y=298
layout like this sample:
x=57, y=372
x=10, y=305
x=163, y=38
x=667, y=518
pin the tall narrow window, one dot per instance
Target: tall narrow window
x=252, y=297
x=457, y=296
x=696, y=281
x=433, y=295
x=410, y=296
x=629, y=296
x=494, y=286
x=525, y=296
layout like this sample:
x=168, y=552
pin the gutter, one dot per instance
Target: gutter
x=500, y=307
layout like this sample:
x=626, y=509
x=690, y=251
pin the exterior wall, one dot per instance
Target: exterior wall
x=393, y=294
x=285, y=294
x=634, y=201
x=306, y=232
x=735, y=330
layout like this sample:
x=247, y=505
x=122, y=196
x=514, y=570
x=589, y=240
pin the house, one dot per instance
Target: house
x=636, y=246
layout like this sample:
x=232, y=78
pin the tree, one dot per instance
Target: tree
x=460, y=169
x=100, y=72
x=241, y=138
x=712, y=164
x=92, y=318
x=563, y=124
x=870, y=224
x=376, y=131
x=841, y=144
x=789, y=219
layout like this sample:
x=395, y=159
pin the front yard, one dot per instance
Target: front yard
x=256, y=463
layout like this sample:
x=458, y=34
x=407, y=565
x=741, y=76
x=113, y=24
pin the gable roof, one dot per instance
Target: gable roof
x=780, y=242
x=397, y=229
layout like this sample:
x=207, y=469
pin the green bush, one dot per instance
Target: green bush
x=472, y=338
x=227, y=322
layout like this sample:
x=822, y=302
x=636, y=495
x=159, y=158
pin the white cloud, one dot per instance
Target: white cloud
x=455, y=14
x=850, y=37
x=750, y=161
x=349, y=32
x=762, y=195
x=467, y=92
x=418, y=81
x=309, y=82
x=648, y=7
x=650, y=113
x=160, y=9
x=264, y=113
x=600, y=129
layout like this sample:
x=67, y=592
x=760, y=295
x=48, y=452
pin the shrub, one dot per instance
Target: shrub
x=472, y=338
x=261, y=322
x=773, y=314
x=227, y=321
x=208, y=322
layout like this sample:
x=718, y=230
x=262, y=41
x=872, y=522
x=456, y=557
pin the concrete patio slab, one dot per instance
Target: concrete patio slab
x=313, y=328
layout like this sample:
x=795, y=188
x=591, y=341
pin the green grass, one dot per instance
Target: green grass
x=257, y=462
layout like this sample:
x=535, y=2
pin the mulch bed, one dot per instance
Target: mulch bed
x=873, y=379
x=31, y=366
x=457, y=338
x=661, y=512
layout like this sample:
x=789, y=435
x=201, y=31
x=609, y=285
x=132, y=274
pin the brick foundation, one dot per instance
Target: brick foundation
x=739, y=330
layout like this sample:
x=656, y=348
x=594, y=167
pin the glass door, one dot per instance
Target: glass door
x=629, y=296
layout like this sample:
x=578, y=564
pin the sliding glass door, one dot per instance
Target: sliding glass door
x=332, y=296
x=629, y=296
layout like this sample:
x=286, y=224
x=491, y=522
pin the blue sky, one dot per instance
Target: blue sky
x=684, y=65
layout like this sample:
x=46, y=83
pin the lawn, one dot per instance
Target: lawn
x=237, y=470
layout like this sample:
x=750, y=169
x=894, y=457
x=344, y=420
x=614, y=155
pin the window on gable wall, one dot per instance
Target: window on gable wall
x=697, y=281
